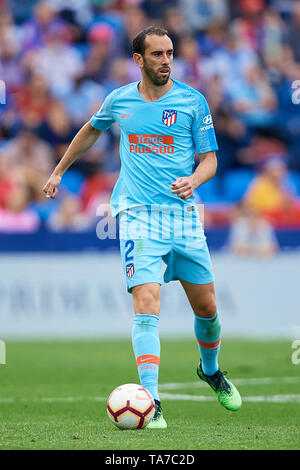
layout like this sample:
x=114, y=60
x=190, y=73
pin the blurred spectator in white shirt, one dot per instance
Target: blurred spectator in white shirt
x=69, y=217
x=201, y=14
x=230, y=61
x=252, y=97
x=57, y=61
x=252, y=235
x=80, y=9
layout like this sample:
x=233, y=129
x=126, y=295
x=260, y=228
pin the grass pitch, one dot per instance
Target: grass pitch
x=53, y=396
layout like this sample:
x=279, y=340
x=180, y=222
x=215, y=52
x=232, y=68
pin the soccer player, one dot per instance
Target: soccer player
x=163, y=122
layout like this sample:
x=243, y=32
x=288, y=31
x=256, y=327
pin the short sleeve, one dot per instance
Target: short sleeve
x=103, y=119
x=202, y=128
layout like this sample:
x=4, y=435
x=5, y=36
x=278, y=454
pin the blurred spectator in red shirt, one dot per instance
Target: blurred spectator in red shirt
x=249, y=27
x=33, y=100
x=96, y=190
x=6, y=183
x=259, y=28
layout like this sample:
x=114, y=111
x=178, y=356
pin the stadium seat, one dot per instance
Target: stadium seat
x=208, y=192
x=236, y=183
x=72, y=181
x=293, y=181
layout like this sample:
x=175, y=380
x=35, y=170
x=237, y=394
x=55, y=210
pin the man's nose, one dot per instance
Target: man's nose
x=166, y=59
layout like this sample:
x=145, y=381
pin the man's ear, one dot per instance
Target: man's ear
x=138, y=59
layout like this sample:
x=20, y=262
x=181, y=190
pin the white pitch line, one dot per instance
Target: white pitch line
x=250, y=381
x=164, y=396
x=184, y=397
x=51, y=399
x=253, y=399
x=56, y=399
x=185, y=385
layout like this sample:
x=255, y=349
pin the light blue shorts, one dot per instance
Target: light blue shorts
x=149, y=237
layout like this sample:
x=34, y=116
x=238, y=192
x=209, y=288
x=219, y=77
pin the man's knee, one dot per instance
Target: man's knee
x=146, y=299
x=206, y=309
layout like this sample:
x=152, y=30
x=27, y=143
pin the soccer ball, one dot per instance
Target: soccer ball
x=130, y=406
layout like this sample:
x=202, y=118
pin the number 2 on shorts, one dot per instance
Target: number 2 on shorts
x=129, y=245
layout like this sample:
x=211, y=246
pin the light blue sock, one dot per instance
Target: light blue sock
x=208, y=334
x=146, y=346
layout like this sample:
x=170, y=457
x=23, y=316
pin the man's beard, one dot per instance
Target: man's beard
x=155, y=78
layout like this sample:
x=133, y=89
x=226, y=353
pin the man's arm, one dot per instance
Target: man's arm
x=83, y=140
x=206, y=169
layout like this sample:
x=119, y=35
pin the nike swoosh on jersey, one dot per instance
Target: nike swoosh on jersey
x=125, y=115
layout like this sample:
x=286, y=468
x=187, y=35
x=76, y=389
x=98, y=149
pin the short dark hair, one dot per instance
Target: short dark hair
x=138, y=44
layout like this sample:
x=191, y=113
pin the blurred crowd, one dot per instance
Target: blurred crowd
x=59, y=59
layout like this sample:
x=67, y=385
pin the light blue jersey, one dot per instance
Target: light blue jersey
x=158, y=142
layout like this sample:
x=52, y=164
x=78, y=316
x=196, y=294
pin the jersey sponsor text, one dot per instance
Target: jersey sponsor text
x=151, y=143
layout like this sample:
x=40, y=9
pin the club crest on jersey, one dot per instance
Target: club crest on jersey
x=130, y=270
x=169, y=117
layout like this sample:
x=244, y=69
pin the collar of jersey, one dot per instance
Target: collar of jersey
x=159, y=99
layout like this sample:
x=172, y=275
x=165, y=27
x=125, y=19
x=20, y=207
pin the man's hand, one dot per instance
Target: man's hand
x=50, y=188
x=184, y=187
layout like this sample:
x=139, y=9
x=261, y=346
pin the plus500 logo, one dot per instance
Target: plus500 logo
x=149, y=143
